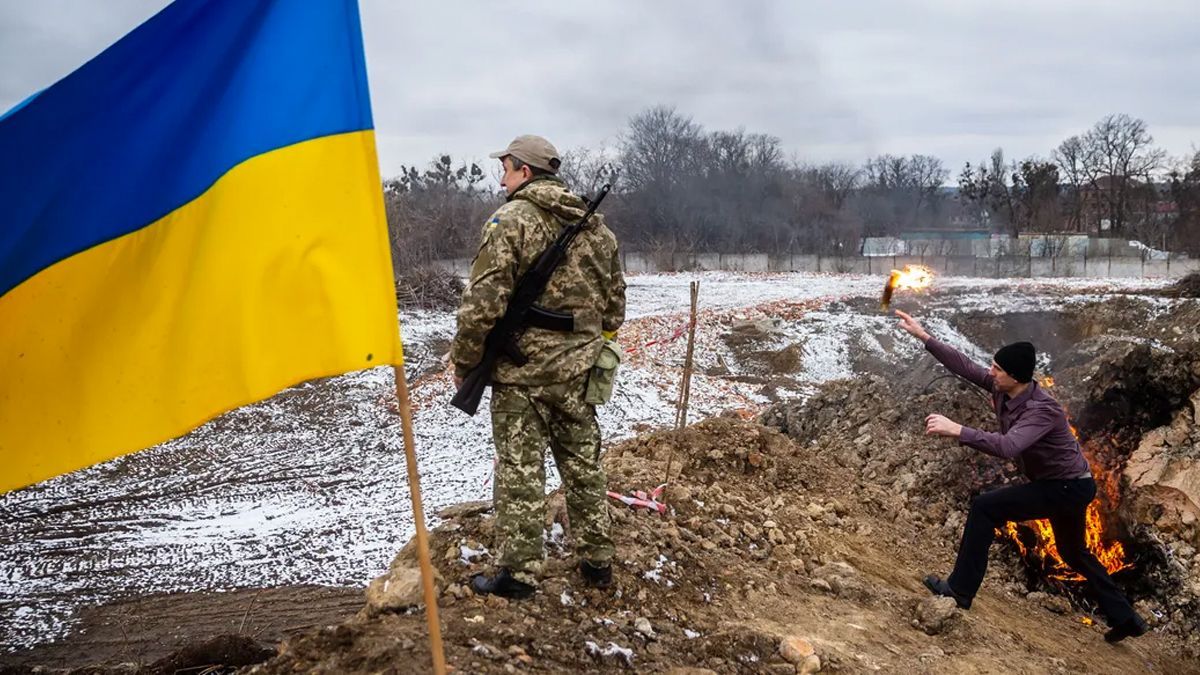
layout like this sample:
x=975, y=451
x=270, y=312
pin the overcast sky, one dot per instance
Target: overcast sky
x=843, y=80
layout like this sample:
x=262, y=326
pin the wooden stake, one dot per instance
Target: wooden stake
x=414, y=491
x=685, y=385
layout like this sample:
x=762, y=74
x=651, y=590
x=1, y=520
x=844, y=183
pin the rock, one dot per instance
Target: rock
x=751, y=531
x=937, y=614
x=1165, y=486
x=812, y=664
x=487, y=651
x=399, y=588
x=1057, y=604
x=682, y=670
x=794, y=649
x=783, y=552
x=769, y=525
x=843, y=579
x=642, y=625
x=677, y=494
x=1177, y=434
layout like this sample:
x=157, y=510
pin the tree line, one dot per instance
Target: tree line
x=681, y=187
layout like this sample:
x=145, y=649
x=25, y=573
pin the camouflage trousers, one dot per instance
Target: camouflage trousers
x=525, y=421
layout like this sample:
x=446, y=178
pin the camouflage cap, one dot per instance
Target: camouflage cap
x=534, y=151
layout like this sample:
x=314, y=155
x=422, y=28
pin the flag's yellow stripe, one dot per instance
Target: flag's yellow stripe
x=279, y=273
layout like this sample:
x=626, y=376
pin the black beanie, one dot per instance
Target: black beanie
x=1018, y=360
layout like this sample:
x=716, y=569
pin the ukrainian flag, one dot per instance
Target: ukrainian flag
x=190, y=222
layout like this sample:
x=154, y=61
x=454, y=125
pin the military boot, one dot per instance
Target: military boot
x=503, y=584
x=596, y=576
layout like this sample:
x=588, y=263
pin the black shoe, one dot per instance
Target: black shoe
x=596, y=577
x=938, y=586
x=1132, y=627
x=503, y=584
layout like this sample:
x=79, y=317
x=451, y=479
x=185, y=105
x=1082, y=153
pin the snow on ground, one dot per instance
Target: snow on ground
x=309, y=487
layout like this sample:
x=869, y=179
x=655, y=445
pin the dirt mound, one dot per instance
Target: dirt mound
x=770, y=560
x=1162, y=479
x=1187, y=287
x=1125, y=385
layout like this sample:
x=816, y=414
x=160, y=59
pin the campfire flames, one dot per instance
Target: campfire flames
x=1102, y=544
x=912, y=277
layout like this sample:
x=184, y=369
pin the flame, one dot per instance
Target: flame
x=1100, y=542
x=912, y=277
x=1107, y=549
x=1111, y=554
x=1086, y=620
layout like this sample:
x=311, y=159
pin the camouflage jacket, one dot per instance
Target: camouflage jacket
x=588, y=284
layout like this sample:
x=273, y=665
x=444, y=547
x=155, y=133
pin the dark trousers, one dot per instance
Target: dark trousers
x=1065, y=503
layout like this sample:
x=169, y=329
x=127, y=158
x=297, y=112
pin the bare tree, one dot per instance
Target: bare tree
x=1184, y=181
x=899, y=192
x=1119, y=163
x=819, y=215
x=584, y=170
x=436, y=212
x=1035, y=192
x=1071, y=158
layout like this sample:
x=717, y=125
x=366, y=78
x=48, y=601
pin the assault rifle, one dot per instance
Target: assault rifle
x=523, y=312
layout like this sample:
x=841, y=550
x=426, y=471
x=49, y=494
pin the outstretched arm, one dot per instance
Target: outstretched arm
x=954, y=360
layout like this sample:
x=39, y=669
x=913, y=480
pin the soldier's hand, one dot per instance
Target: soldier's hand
x=912, y=326
x=458, y=381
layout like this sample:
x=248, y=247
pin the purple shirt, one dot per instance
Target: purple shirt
x=1033, y=426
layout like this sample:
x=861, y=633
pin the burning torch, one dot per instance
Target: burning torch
x=912, y=277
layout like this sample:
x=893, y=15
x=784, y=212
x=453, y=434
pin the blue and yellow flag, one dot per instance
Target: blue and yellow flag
x=190, y=222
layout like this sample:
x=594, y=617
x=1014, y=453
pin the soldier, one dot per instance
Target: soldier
x=543, y=402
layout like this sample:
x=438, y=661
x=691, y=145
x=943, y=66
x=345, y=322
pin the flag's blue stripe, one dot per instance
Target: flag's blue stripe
x=153, y=121
x=20, y=105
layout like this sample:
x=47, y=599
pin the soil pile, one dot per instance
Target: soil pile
x=776, y=556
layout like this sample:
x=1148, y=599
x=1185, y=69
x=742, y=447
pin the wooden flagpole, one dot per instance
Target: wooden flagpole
x=414, y=491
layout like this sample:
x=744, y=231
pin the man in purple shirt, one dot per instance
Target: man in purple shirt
x=1035, y=433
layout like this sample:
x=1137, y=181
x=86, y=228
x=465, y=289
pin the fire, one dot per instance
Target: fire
x=912, y=277
x=1086, y=620
x=1107, y=549
x=1110, y=553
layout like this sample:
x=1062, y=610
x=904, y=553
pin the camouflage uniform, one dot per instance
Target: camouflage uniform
x=542, y=403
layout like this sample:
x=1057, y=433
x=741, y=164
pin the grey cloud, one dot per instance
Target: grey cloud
x=833, y=80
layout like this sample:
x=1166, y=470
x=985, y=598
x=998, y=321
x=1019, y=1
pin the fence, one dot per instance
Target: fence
x=970, y=266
